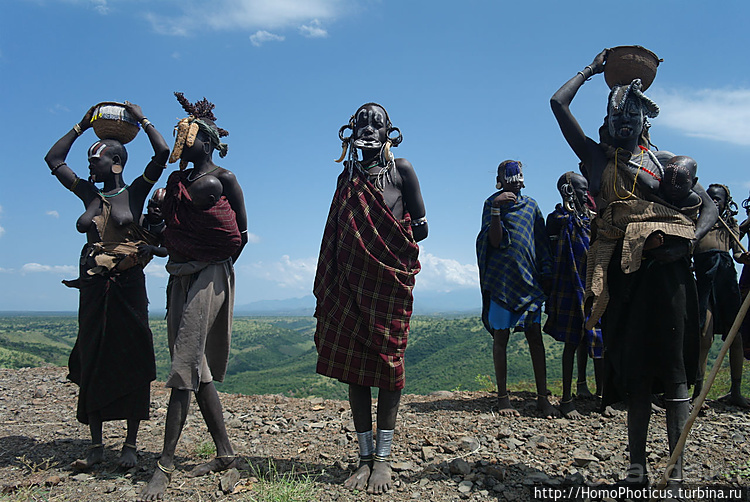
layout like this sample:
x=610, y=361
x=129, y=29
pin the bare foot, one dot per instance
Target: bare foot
x=505, y=408
x=735, y=399
x=155, y=488
x=380, y=479
x=358, y=480
x=128, y=457
x=216, y=465
x=582, y=390
x=543, y=405
x=95, y=455
x=653, y=241
x=569, y=411
x=609, y=412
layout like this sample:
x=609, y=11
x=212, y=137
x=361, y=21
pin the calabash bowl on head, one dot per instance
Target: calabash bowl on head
x=628, y=62
x=112, y=121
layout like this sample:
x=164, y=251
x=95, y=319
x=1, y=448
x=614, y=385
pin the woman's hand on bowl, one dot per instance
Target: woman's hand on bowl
x=86, y=120
x=134, y=111
x=597, y=65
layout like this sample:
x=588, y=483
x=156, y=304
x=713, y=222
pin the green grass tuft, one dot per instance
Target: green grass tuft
x=275, y=486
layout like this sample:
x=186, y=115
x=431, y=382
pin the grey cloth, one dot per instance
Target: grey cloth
x=199, y=322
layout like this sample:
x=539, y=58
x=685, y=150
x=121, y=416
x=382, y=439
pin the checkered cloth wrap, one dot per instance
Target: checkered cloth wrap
x=363, y=287
x=511, y=274
x=207, y=235
x=565, y=315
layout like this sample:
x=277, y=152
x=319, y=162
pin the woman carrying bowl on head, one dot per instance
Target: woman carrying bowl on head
x=638, y=280
x=113, y=357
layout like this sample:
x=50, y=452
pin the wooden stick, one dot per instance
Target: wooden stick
x=736, y=237
x=698, y=403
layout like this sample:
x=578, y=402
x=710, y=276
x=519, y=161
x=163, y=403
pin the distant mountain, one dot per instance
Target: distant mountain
x=302, y=306
x=463, y=301
x=425, y=303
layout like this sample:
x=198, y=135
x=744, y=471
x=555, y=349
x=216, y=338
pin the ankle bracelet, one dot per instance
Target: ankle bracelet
x=503, y=397
x=166, y=470
x=383, y=442
x=378, y=458
x=364, y=441
x=94, y=446
x=129, y=445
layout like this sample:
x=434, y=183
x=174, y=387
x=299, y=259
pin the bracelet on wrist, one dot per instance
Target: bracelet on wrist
x=77, y=129
x=145, y=122
x=581, y=73
x=496, y=211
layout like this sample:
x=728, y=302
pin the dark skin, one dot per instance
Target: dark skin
x=200, y=155
x=580, y=193
x=625, y=128
x=153, y=216
x=127, y=207
x=679, y=180
x=677, y=188
x=401, y=196
x=508, y=196
x=736, y=352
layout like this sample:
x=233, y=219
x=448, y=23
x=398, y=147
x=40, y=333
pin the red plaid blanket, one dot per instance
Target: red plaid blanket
x=363, y=287
x=198, y=234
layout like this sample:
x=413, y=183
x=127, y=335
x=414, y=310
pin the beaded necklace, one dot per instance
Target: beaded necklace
x=635, y=180
x=108, y=195
x=201, y=174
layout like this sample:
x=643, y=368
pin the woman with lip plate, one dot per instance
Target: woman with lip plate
x=113, y=357
x=638, y=270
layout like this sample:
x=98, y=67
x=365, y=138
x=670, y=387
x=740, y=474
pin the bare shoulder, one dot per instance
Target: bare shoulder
x=225, y=176
x=405, y=169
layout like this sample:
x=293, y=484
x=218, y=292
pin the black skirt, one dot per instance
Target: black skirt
x=650, y=327
x=113, y=358
x=718, y=289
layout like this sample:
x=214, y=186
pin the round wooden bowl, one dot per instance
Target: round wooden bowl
x=112, y=121
x=628, y=62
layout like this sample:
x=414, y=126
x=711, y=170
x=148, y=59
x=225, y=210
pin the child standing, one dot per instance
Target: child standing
x=569, y=229
x=515, y=269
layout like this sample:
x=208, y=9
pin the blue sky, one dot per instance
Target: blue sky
x=468, y=83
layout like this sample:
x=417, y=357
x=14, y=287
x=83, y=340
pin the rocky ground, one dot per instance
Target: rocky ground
x=448, y=446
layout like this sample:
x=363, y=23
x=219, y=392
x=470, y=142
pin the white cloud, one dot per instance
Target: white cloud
x=30, y=268
x=260, y=37
x=155, y=268
x=100, y=6
x=313, y=30
x=194, y=16
x=442, y=275
x=715, y=114
x=252, y=238
x=58, y=108
x=2, y=231
x=53, y=213
x=296, y=275
x=439, y=275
